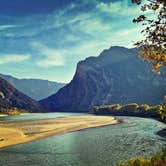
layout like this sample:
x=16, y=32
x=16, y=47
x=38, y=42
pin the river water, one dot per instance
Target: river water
x=101, y=146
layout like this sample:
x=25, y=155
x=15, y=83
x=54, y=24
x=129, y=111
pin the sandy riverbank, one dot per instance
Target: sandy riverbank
x=17, y=132
x=2, y=115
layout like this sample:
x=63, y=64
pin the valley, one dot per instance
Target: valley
x=32, y=87
x=102, y=86
x=83, y=83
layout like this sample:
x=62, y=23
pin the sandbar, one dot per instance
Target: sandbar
x=18, y=132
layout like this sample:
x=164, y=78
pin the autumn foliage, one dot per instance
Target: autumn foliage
x=155, y=55
x=153, y=46
x=157, y=160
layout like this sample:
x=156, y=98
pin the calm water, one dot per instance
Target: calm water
x=103, y=146
x=39, y=116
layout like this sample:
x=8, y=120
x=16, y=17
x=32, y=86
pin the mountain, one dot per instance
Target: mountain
x=11, y=97
x=117, y=75
x=34, y=88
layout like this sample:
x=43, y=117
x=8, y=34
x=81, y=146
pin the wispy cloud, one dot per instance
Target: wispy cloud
x=58, y=39
x=12, y=58
x=119, y=8
x=7, y=27
x=51, y=57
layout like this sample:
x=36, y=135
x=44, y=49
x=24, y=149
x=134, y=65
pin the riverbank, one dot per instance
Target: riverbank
x=2, y=115
x=17, y=132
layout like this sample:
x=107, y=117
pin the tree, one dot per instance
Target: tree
x=153, y=46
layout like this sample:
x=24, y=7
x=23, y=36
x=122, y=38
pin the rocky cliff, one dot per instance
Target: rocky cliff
x=117, y=75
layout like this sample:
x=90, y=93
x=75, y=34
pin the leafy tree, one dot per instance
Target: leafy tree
x=153, y=46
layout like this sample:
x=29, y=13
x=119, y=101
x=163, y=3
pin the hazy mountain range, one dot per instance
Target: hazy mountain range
x=117, y=75
x=34, y=88
x=11, y=97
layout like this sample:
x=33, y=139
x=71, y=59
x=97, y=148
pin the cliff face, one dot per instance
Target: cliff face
x=116, y=76
x=11, y=97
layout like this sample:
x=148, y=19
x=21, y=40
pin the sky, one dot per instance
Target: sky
x=47, y=38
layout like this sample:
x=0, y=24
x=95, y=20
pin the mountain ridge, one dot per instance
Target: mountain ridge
x=11, y=98
x=32, y=87
x=117, y=75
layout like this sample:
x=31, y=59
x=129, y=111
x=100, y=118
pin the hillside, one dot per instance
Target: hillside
x=34, y=88
x=117, y=75
x=11, y=98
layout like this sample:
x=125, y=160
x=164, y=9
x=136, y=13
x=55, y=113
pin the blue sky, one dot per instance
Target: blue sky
x=46, y=38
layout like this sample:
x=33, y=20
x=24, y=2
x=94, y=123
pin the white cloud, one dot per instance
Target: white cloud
x=50, y=61
x=71, y=38
x=93, y=25
x=52, y=57
x=91, y=48
x=119, y=8
x=110, y=7
x=10, y=58
x=125, y=37
x=130, y=33
x=5, y=27
x=101, y=34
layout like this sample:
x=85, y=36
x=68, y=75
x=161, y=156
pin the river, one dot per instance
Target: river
x=101, y=146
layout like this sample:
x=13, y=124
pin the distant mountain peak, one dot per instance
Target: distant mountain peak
x=117, y=75
x=34, y=88
x=11, y=98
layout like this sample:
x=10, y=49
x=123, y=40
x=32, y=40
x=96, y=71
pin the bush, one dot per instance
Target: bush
x=154, y=110
x=130, y=107
x=143, y=107
x=106, y=109
x=12, y=111
x=114, y=107
x=157, y=160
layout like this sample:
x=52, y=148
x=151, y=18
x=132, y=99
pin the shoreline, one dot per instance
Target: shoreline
x=18, y=132
x=3, y=115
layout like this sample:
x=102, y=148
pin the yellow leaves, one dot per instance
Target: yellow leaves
x=156, y=68
x=155, y=7
x=164, y=104
x=155, y=55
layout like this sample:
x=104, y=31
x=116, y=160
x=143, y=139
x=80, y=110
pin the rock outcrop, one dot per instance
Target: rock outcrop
x=12, y=98
x=116, y=76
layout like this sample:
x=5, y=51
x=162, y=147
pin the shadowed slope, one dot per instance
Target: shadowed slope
x=116, y=76
x=11, y=97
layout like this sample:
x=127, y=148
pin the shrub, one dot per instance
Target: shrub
x=12, y=111
x=157, y=160
x=143, y=107
x=130, y=107
x=114, y=107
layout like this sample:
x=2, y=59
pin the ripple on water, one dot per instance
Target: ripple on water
x=103, y=146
